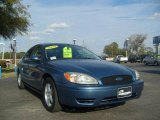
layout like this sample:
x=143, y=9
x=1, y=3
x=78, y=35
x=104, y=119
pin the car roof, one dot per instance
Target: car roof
x=44, y=44
x=47, y=44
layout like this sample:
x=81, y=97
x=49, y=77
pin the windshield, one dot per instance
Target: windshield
x=62, y=51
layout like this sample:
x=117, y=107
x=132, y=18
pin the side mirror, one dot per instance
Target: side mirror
x=35, y=58
x=102, y=57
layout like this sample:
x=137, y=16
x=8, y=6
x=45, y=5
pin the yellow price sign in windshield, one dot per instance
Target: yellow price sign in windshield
x=67, y=52
x=51, y=47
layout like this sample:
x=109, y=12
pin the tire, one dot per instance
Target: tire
x=20, y=82
x=50, y=97
x=145, y=63
x=156, y=63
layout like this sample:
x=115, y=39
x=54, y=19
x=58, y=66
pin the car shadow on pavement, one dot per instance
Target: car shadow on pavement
x=69, y=109
x=36, y=94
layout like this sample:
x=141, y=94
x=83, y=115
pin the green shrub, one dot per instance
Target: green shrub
x=3, y=63
x=8, y=70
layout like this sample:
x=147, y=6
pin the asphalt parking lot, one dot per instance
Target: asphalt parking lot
x=18, y=104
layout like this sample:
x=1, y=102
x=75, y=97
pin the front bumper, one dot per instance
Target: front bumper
x=96, y=96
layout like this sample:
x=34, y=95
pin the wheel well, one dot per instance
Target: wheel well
x=46, y=75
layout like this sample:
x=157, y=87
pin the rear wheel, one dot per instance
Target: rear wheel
x=20, y=82
x=50, y=97
x=156, y=63
x=145, y=63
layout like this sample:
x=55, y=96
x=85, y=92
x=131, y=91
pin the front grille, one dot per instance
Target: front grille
x=116, y=79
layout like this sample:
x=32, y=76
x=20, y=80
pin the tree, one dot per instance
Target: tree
x=141, y=50
x=8, y=55
x=149, y=50
x=111, y=49
x=122, y=51
x=20, y=55
x=136, y=42
x=13, y=18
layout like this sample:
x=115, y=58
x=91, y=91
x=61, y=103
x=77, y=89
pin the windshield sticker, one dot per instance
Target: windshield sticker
x=67, y=52
x=53, y=58
x=51, y=47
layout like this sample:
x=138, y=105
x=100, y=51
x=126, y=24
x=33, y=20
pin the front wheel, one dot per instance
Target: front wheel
x=20, y=82
x=50, y=97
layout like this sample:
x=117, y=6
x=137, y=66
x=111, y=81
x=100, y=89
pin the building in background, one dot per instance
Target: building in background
x=156, y=42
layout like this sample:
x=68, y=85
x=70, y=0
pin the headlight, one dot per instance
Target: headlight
x=137, y=75
x=80, y=78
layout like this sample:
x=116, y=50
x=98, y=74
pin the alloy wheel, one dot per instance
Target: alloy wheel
x=48, y=94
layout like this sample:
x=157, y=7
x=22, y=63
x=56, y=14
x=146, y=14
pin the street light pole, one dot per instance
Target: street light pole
x=3, y=53
x=74, y=41
x=15, y=61
x=126, y=46
x=3, y=50
x=112, y=50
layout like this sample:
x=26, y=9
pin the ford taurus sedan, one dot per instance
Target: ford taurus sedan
x=72, y=75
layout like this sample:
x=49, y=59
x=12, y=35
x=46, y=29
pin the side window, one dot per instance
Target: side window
x=53, y=53
x=27, y=55
x=36, y=52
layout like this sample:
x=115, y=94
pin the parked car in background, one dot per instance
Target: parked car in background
x=120, y=58
x=71, y=75
x=135, y=58
x=152, y=59
x=132, y=58
x=107, y=58
x=110, y=59
x=139, y=59
x=142, y=57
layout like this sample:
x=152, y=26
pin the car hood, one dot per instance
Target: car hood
x=95, y=68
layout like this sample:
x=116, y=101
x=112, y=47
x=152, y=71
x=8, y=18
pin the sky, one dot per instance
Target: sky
x=93, y=23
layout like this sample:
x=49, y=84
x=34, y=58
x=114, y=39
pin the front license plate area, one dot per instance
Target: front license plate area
x=124, y=92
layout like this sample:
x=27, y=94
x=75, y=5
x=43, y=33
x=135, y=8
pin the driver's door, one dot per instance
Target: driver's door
x=35, y=68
